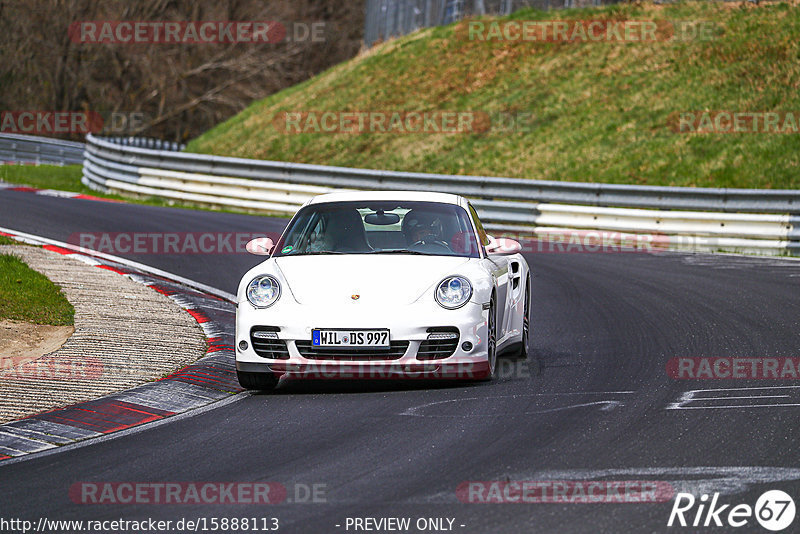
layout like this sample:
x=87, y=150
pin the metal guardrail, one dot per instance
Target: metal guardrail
x=738, y=220
x=16, y=148
x=493, y=188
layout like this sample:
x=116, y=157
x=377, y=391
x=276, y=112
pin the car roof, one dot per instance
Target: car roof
x=411, y=196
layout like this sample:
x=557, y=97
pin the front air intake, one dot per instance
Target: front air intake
x=267, y=344
x=441, y=343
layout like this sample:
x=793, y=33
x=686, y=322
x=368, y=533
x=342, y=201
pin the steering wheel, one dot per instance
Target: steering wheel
x=434, y=241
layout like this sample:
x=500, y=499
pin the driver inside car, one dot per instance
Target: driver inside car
x=422, y=227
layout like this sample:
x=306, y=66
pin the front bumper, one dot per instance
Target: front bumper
x=374, y=371
x=406, y=323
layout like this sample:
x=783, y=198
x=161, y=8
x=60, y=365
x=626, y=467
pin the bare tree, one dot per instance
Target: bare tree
x=180, y=89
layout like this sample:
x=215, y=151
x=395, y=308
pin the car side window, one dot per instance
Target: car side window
x=481, y=232
x=314, y=241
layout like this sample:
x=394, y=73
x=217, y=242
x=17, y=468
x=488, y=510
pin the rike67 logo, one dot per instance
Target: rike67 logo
x=774, y=510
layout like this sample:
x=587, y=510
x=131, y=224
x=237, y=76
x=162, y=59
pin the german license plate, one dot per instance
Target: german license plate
x=350, y=338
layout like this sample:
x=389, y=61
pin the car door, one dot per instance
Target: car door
x=497, y=265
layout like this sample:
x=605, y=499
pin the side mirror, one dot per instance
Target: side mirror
x=503, y=246
x=260, y=246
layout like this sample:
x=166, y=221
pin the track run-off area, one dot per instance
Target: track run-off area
x=597, y=399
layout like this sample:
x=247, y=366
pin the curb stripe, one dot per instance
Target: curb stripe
x=112, y=269
x=60, y=250
x=106, y=415
x=198, y=316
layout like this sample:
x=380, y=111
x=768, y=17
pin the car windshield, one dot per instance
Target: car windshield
x=370, y=227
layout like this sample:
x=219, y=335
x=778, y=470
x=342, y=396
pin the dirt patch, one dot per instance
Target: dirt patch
x=23, y=342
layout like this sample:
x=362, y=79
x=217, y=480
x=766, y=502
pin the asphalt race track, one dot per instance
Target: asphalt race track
x=593, y=401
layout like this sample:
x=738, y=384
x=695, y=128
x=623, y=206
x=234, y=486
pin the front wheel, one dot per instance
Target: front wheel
x=491, y=344
x=257, y=381
x=524, y=346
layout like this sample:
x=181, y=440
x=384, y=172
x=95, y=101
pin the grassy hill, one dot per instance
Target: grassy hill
x=598, y=112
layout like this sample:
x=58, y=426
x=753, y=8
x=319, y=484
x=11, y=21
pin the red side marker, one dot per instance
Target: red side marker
x=199, y=317
x=105, y=415
x=99, y=199
x=24, y=189
x=58, y=249
x=109, y=268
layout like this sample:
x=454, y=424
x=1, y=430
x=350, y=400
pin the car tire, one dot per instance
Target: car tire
x=491, y=343
x=257, y=381
x=524, y=346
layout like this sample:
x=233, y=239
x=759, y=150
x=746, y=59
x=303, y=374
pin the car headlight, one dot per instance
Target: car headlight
x=263, y=291
x=453, y=292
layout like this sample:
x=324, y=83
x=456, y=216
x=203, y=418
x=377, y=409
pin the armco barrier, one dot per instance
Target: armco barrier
x=588, y=194
x=735, y=220
x=16, y=148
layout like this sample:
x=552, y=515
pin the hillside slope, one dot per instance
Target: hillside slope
x=589, y=111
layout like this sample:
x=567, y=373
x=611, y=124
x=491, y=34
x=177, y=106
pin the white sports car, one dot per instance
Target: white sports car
x=381, y=285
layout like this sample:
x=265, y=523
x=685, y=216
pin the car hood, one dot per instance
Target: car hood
x=380, y=279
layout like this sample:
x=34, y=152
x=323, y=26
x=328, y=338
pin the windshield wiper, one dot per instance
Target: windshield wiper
x=399, y=251
x=317, y=253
